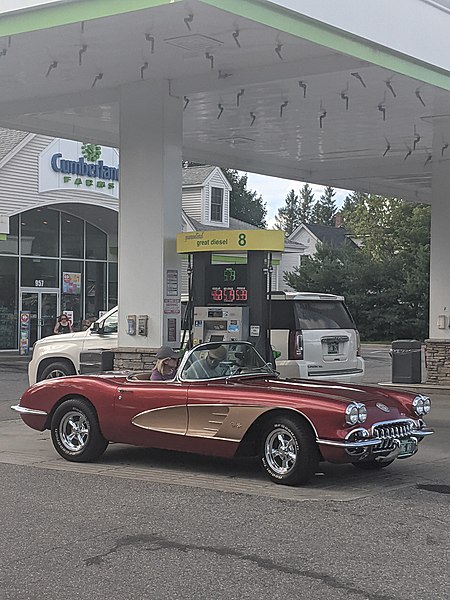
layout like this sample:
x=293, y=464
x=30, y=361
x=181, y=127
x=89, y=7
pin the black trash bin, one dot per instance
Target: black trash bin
x=107, y=362
x=406, y=361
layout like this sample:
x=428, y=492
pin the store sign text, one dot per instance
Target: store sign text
x=105, y=175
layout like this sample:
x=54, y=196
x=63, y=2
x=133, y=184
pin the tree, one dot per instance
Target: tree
x=324, y=210
x=387, y=226
x=245, y=204
x=386, y=282
x=306, y=204
x=287, y=217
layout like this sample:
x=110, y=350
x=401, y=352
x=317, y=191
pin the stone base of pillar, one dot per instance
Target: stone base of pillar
x=134, y=359
x=437, y=360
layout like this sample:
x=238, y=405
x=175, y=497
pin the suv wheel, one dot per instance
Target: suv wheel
x=57, y=369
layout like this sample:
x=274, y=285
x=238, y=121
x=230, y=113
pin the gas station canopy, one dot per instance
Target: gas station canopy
x=263, y=88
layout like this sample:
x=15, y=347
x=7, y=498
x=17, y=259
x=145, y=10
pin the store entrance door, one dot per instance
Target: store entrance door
x=43, y=306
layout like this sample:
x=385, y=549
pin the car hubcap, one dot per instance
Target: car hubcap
x=280, y=451
x=74, y=431
x=55, y=373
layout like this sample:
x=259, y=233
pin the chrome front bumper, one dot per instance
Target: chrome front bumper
x=367, y=443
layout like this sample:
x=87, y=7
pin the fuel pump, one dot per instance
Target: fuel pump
x=230, y=295
x=220, y=324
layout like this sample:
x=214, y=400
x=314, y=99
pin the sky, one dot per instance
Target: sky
x=274, y=192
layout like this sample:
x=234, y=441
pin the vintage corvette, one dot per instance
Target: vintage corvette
x=226, y=401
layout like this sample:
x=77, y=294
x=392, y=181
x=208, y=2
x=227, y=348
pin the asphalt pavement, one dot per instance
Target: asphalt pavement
x=145, y=524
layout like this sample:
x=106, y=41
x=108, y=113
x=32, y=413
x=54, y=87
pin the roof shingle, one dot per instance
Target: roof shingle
x=9, y=138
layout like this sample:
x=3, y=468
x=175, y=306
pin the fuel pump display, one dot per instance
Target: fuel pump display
x=227, y=284
x=228, y=295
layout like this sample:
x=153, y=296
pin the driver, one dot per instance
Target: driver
x=207, y=367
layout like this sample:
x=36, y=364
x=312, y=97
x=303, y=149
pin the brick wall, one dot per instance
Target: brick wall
x=437, y=360
x=134, y=359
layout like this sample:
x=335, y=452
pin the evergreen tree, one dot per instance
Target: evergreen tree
x=324, y=210
x=306, y=204
x=351, y=201
x=287, y=217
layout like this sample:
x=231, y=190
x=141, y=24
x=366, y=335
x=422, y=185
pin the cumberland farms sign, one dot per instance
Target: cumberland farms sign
x=68, y=165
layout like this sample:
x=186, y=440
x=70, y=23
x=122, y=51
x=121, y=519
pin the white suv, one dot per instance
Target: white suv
x=316, y=336
x=73, y=353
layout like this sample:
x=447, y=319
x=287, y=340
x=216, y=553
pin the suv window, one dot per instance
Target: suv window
x=282, y=315
x=110, y=323
x=322, y=314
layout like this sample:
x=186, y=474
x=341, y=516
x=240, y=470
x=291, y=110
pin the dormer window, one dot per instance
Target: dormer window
x=216, y=204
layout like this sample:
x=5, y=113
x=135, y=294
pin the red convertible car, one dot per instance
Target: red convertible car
x=226, y=401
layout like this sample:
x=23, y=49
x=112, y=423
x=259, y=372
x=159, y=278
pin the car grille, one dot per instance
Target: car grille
x=390, y=431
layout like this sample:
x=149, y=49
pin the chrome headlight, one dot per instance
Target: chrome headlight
x=355, y=413
x=421, y=405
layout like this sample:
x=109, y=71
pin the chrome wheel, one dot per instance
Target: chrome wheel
x=74, y=431
x=288, y=450
x=55, y=373
x=280, y=451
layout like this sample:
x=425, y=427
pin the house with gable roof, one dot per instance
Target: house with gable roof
x=307, y=236
x=206, y=196
x=202, y=199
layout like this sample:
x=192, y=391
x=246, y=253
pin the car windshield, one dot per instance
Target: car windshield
x=323, y=314
x=228, y=359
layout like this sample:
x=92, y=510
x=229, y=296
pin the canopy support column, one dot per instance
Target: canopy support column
x=150, y=213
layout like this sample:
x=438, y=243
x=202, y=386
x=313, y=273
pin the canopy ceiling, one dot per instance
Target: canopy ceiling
x=258, y=94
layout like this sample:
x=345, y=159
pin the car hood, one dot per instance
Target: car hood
x=334, y=392
x=61, y=337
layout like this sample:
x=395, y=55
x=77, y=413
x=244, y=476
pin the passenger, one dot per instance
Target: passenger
x=208, y=367
x=85, y=324
x=63, y=325
x=166, y=364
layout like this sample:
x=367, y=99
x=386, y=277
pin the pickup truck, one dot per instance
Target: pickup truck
x=73, y=353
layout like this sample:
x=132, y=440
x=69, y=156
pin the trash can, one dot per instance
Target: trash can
x=406, y=361
x=107, y=361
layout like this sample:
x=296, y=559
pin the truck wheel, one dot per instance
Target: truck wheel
x=57, y=369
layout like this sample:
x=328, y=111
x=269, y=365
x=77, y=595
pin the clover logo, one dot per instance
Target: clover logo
x=91, y=152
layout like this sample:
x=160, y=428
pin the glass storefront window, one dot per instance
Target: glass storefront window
x=72, y=236
x=54, y=249
x=11, y=244
x=112, y=285
x=40, y=232
x=113, y=247
x=95, y=242
x=72, y=290
x=8, y=301
x=95, y=290
x=39, y=273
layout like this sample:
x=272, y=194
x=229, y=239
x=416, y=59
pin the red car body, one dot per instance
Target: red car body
x=230, y=414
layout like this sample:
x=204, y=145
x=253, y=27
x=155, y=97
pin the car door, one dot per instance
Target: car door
x=218, y=417
x=151, y=413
